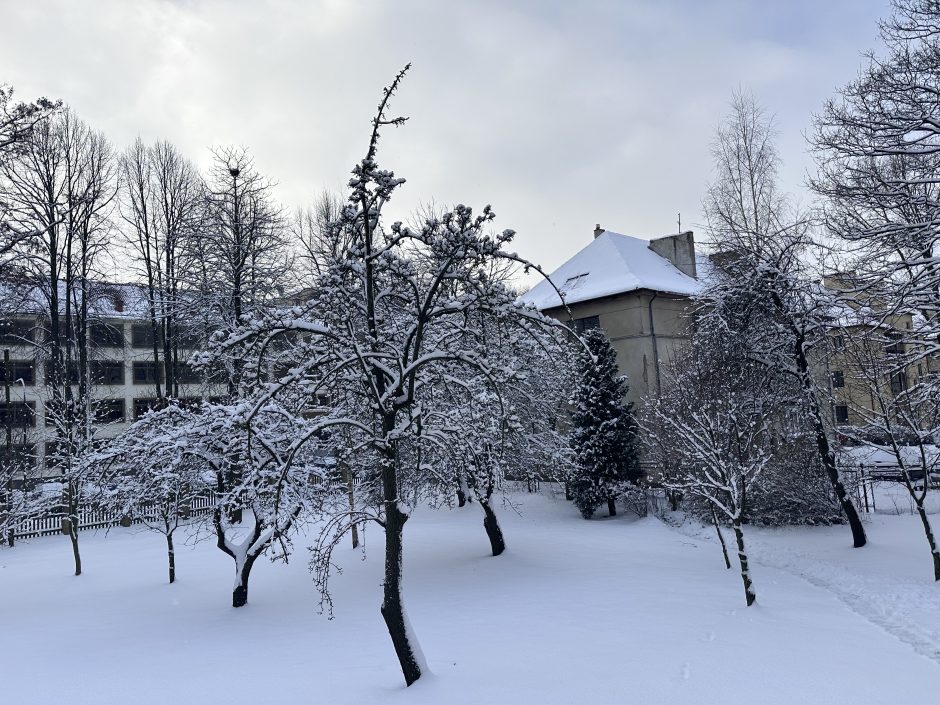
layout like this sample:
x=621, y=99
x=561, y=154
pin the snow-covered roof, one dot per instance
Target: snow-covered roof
x=107, y=299
x=611, y=264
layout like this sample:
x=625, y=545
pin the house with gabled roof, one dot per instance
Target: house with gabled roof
x=637, y=290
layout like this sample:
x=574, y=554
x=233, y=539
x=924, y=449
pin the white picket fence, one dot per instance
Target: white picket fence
x=90, y=518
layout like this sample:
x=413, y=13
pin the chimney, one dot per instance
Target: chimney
x=598, y=231
x=678, y=249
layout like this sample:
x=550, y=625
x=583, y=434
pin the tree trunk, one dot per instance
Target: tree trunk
x=73, y=537
x=611, y=507
x=393, y=611
x=240, y=593
x=171, y=557
x=749, y=595
x=493, y=531
x=721, y=540
x=351, y=497
x=822, y=443
x=931, y=540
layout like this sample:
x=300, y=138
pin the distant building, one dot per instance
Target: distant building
x=122, y=372
x=636, y=290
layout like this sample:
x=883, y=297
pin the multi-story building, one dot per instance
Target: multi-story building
x=122, y=371
x=636, y=290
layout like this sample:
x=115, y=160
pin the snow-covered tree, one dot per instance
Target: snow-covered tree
x=763, y=303
x=603, y=430
x=387, y=325
x=716, y=424
x=152, y=473
x=878, y=148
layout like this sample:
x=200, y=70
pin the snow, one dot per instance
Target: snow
x=611, y=610
x=611, y=264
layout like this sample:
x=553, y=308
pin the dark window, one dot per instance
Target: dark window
x=18, y=453
x=185, y=374
x=18, y=414
x=146, y=373
x=109, y=411
x=838, y=343
x=587, y=323
x=898, y=382
x=142, y=406
x=71, y=372
x=55, y=454
x=18, y=369
x=838, y=379
x=107, y=372
x=894, y=346
x=842, y=414
x=13, y=332
x=189, y=402
x=142, y=335
x=105, y=335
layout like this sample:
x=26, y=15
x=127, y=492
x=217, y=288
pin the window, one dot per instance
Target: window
x=842, y=414
x=838, y=343
x=142, y=335
x=109, y=411
x=898, y=382
x=71, y=372
x=18, y=414
x=146, y=373
x=54, y=454
x=18, y=369
x=14, y=332
x=142, y=406
x=19, y=454
x=105, y=335
x=584, y=324
x=894, y=346
x=838, y=379
x=185, y=374
x=109, y=372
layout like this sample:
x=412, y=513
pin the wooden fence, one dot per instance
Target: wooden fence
x=91, y=518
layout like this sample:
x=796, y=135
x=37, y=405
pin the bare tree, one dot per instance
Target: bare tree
x=761, y=242
x=60, y=187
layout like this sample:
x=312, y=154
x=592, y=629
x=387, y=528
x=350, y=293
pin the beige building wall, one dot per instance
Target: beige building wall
x=647, y=330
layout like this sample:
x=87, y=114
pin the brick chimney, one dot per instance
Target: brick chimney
x=598, y=231
x=678, y=249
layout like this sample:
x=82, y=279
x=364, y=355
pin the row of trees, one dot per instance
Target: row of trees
x=405, y=371
x=792, y=295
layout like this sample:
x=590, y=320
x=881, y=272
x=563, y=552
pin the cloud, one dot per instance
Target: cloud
x=560, y=114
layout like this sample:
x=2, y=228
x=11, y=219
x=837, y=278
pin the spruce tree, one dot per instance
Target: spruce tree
x=604, y=431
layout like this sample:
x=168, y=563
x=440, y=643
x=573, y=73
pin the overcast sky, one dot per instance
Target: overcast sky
x=559, y=114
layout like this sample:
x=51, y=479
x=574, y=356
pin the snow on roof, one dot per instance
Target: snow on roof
x=107, y=299
x=611, y=264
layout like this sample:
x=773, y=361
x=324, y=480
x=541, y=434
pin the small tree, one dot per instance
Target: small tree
x=151, y=474
x=717, y=424
x=604, y=433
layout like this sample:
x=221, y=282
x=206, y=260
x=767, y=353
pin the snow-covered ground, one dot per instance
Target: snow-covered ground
x=608, y=611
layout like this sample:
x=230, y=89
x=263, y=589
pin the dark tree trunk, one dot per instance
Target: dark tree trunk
x=393, y=610
x=611, y=507
x=721, y=540
x=493, y=532
x=822, y=443
x=931, y=539
x=171, y=557
x=461, y=497
x=72, y=505
x=749, y=595
x=240, y=593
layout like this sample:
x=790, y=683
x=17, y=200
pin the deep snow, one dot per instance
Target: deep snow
x=612, y=611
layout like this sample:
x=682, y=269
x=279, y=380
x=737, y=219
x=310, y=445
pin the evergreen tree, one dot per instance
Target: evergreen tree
x=604, y=431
